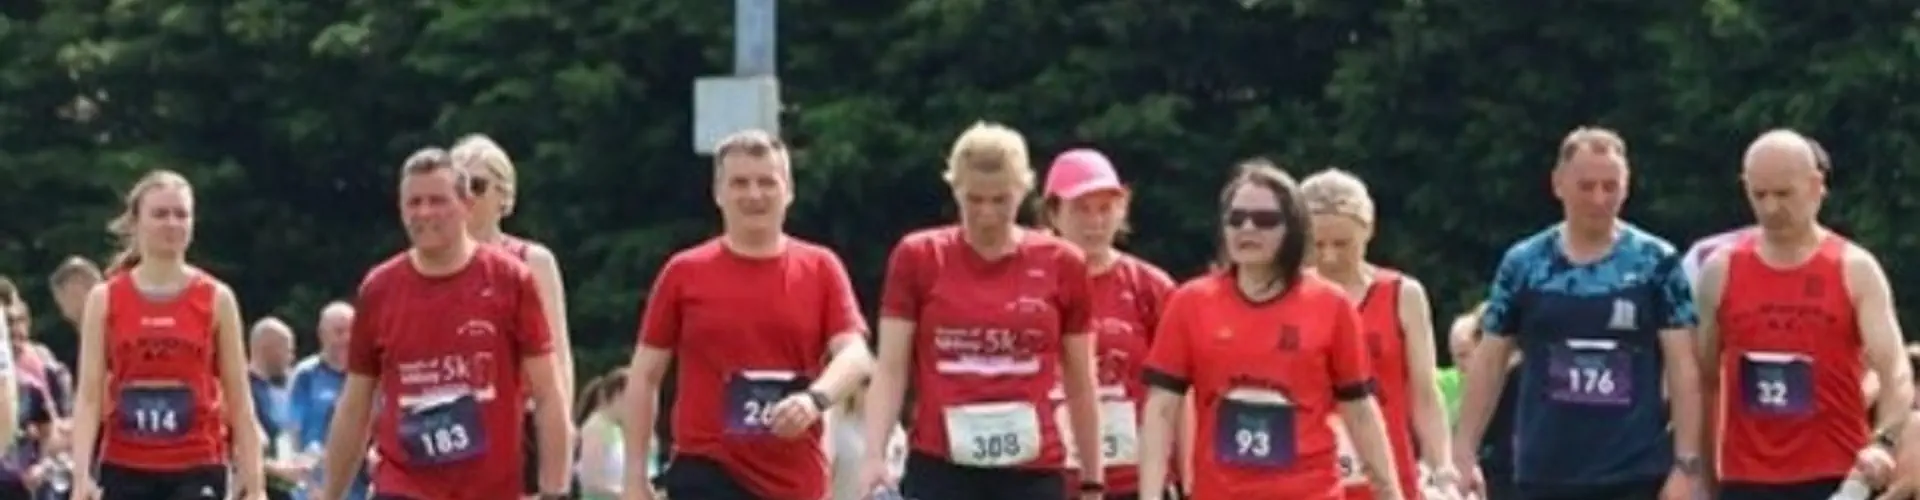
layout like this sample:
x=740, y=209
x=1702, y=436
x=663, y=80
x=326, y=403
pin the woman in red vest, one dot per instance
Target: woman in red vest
x=163, y=377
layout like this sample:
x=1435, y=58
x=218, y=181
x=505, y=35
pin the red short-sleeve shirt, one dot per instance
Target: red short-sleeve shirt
x=1266, y=378
x=446, y=352
x=986, y=343
x=749, y=332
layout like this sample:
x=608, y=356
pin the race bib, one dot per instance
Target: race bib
x=1777, y=384
x=993, y=434
x=1254, y=429
x=751, y=396
x=1590, y=372
x=156, y=412
x=1353, y=472
x=443, y=431
x=1119, y=434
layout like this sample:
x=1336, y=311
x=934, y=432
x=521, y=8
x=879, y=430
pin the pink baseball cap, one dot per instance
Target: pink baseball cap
x=1080, y=171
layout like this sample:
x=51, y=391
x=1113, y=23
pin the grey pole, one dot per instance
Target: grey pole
x=755, y=43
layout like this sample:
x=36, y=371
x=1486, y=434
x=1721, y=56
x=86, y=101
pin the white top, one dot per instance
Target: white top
x=847, y=448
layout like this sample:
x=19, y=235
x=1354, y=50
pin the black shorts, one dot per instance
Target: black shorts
x=529, y=457
x=1819, y=489
x=1646, y=489
x=122, y=483
x=696, y=478
x=929, y=478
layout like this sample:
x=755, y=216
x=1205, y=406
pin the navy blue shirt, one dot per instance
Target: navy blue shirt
x=1591, y=409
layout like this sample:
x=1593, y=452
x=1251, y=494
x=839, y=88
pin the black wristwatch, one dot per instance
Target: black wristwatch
x=1092, y=487
x=1689, y=464
x=820, y=400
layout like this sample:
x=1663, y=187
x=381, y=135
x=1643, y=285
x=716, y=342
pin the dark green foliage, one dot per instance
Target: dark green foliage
x=292, y=116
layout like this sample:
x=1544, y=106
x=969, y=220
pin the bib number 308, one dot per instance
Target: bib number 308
x=993, y=434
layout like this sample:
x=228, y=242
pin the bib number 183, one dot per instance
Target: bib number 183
x=447, y=440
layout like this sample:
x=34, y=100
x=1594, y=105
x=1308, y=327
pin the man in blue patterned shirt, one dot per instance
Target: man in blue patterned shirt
x=1602, y=315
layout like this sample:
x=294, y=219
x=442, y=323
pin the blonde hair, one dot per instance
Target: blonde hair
x=990, y=148
x=1337, y=192
x=122, y=226
x=1592, y=140
x=477, y=154
x=1467, y=325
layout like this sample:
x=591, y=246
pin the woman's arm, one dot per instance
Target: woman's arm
x=88, y=400
x=1429, y=415
x=237, y=393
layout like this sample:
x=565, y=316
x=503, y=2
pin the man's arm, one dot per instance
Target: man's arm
x=1707, y=288
x=1678, y=319
x=644, y=373
x=1880, y=336
x=347, y=435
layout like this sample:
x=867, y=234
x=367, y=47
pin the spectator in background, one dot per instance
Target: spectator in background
x=69, y=283
x=35, y=366
x=270, y=348
x=314, y=390
x=847, y=448
x=22, y=454
x=603, y=453
x=1496, y=446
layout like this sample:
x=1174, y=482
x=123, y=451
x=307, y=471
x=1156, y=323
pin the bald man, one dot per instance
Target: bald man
x=270, y=356
x=317, y=381
x=1793, y=313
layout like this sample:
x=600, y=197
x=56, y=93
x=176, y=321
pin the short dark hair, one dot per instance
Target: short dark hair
x=1292, y=255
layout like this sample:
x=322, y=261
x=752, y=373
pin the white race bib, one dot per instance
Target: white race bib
x=993, y=434
x=1119, y=434
x=1353, y=471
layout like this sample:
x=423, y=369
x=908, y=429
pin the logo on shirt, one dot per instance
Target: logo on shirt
x=157, y=321
x=476, y=328
x=1624, y=315
x=1289, y=338
x=1815, y=287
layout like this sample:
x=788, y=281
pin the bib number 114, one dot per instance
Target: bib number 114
x=156, y=420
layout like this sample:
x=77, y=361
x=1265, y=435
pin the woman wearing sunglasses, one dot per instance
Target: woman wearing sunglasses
x=493, y=181
x=1397, y=322
x=1271, y=354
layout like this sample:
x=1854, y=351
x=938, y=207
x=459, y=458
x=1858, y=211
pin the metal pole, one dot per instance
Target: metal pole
x=754, y=40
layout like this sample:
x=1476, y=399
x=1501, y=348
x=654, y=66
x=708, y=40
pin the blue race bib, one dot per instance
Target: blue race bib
x=443, y=432
x=155, y=413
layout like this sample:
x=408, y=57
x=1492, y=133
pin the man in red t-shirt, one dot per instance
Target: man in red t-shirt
x=1789, y=315
x=751, y=315
x=445, y=333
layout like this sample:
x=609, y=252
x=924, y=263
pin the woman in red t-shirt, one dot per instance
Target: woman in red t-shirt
x=1398, y=324
x=163, y=376
x=493, y=178
x=1086, y=204
x=1272, y=354
x=986, y=318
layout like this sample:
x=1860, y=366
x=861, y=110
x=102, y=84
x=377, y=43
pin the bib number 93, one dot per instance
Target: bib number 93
x=1253, y=442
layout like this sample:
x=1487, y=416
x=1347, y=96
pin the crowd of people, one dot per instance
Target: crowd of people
x=1043, y=362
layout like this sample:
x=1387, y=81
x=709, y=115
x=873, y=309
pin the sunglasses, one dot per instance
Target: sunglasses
x=478, y=185
x=1261, y=218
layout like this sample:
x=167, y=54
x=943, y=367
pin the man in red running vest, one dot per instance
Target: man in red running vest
x=446, y=331
x=1787, y=316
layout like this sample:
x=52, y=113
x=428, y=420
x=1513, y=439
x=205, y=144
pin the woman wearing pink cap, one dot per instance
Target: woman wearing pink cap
x=1086, y=204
